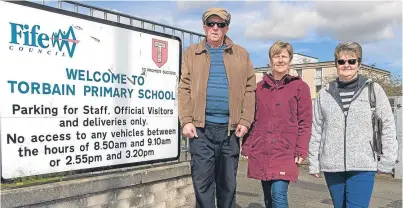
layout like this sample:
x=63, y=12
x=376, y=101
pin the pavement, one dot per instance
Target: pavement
x=310, y=192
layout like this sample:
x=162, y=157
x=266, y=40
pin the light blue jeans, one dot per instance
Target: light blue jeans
x=352, y=189
x=275, y=193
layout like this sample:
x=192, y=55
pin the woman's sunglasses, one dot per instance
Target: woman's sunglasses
x=219, y=24
x=350, y=61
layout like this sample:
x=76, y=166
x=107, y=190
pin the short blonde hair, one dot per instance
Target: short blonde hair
x=278, y=47
x=350, y=48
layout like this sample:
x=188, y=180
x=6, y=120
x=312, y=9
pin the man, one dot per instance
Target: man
x=216, y=108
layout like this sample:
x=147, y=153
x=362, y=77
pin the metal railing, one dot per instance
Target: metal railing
x=396, y=104
x=193, y=37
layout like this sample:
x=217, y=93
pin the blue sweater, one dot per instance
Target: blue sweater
x=217, y=108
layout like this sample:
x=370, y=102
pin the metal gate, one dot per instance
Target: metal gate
x=396, y=104
x=187, y=37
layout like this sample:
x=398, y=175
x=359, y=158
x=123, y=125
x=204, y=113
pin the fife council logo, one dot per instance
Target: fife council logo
x=25, y=38
x=160, y=57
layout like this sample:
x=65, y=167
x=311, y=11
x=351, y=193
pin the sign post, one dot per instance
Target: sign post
x=80, y=93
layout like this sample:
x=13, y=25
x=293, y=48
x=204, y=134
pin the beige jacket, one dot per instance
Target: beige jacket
x=193, y=85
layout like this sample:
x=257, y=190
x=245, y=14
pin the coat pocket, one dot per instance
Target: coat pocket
x=293, y=109
x=249, y=144
x=289, y=141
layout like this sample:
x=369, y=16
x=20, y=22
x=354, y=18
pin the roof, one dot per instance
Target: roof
x=306, y=55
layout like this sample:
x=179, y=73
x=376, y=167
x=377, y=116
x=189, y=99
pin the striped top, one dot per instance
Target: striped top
x=347, y=91
x=217, y=109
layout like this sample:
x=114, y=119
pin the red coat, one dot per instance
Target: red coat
x=281, y=130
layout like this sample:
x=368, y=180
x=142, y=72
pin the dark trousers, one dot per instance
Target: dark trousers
x=214, y=166
x=275, y=193
x=351, y=189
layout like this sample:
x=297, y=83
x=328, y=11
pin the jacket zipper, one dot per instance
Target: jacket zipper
x=345, y=123
x=345, y=139
x=205, y=95
x=229, y=94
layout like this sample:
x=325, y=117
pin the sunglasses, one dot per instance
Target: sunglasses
x=350, y=61
x=219, y=24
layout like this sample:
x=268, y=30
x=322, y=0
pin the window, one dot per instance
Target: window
x=318, y=73
x=318, y=87
x=318, y=76
x=299, y=72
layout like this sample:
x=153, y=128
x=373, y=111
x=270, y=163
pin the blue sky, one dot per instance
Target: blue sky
x=313, y=28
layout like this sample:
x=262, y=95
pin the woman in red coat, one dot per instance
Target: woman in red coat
x=279, y=138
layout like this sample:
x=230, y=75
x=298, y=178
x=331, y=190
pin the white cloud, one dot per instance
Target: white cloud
x=282, y=21
x=387, y=53
x=302, y=50
x=189, y=5
x=359, y=21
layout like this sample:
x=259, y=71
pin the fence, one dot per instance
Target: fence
x=187, y=37
x=396, y=104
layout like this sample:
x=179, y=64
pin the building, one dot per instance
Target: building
x=303, y=59
x=316, y=74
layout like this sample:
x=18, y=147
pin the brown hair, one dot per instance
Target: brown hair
x=278, y=47
x=351, y=48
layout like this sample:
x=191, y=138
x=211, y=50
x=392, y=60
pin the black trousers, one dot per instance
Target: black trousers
x=214, y=166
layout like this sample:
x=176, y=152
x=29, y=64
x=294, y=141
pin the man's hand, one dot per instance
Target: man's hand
x=240, y=130
x=299, y=160
x=189, y=130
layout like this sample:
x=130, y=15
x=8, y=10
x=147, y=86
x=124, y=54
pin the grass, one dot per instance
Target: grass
x=31, y=181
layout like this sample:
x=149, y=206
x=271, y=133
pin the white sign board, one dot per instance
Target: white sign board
x=79, y=92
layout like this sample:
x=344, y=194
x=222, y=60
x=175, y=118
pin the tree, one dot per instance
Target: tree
x=392, y=84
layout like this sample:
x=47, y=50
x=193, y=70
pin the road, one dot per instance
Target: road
x=310, y=192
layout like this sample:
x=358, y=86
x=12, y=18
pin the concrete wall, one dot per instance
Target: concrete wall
x=308, y=75
x=166, y=186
